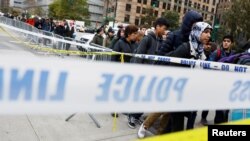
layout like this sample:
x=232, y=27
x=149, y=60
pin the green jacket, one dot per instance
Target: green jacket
x=98, y=39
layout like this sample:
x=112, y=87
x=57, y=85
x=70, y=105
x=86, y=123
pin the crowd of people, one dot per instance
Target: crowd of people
x=192, y=41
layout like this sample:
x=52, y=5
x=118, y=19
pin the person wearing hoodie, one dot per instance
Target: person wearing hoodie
x=173, y=41
x=176, y=38
x=152, y=41
x=193, y=49
x=148, y=45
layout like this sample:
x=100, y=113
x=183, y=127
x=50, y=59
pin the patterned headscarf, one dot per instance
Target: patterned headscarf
x=195, y=35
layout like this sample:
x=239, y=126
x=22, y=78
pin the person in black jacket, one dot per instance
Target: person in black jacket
x=151, y=42
x=199, y=36
x=126, y=44
x=176, y=38
x=148, y=45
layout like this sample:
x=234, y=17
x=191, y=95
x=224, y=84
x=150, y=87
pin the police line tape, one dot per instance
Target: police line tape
x=192, y=63
x=195, y=63
x=53, y=85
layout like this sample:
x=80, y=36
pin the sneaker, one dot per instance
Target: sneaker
x=204, y=122
x=141, y=132
x=131, y=122
x=138, y=121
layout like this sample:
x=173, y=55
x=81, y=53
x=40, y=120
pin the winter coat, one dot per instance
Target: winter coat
x=98, y=39
x=123, y=45
x=220, y=53
x=176, y=38
x=148, y=45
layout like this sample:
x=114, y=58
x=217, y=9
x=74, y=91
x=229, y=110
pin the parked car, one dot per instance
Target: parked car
x=89, y=30
x=79, y=28
x=86, y=38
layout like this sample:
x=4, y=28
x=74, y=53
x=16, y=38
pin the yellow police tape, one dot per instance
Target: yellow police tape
x=199, y=134
x=58, y=51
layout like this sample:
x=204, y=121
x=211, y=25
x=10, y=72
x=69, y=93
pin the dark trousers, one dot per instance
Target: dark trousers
x=221, y=116
x=176, y=121
x=204, y=114
x=135, y=115
x=191, y=119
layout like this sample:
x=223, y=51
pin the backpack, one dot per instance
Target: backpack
x=240, y=58
x=218, y=55
x=244, y=59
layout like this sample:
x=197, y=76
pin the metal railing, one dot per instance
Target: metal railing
x=45, y=39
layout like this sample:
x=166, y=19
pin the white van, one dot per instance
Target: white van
x=79, y=26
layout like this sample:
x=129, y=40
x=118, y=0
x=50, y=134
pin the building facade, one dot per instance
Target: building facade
x=31, y=3
x=96, y=8
x=131, y=11
x=223, y=6
x=96, y=12
x=4, y=3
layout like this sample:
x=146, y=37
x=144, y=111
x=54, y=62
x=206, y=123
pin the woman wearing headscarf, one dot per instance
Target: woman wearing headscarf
x=194, y=49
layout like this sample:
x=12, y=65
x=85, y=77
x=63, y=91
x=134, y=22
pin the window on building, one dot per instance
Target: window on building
x=190, y=3
x=203, y=7
x=137, y=20
x=179, y=9
x=195, y=5
x=138, y=9
x=214, y=2
x=155, y=3
x=144, y=1
x=186, y=2
x=143, y=10
x=212, y=10
x=175, y=1
x=138, y=1
x=169, y=6
x=128, y=7
x=212, y=18
x=162, y=13
x=126, y=18
x=199, y=6
x=156, y=13
x=142, y=22
x=205, y=16
x=175, y=8
x=208, y=1
x=206, y=8
x=164, y=5
x=204, y=1
x=202, y=14
x=185, y=10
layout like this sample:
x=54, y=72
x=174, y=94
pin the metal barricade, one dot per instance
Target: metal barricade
x=46, y=39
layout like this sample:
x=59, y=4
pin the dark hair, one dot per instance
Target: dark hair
x=99, y=30
x=230, y=37
x=143, y=26
x=161, y=21
x=111, y=30
x=118, y=35
x=130, y=29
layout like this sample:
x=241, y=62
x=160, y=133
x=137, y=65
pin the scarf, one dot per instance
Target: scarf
x=194, y=38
